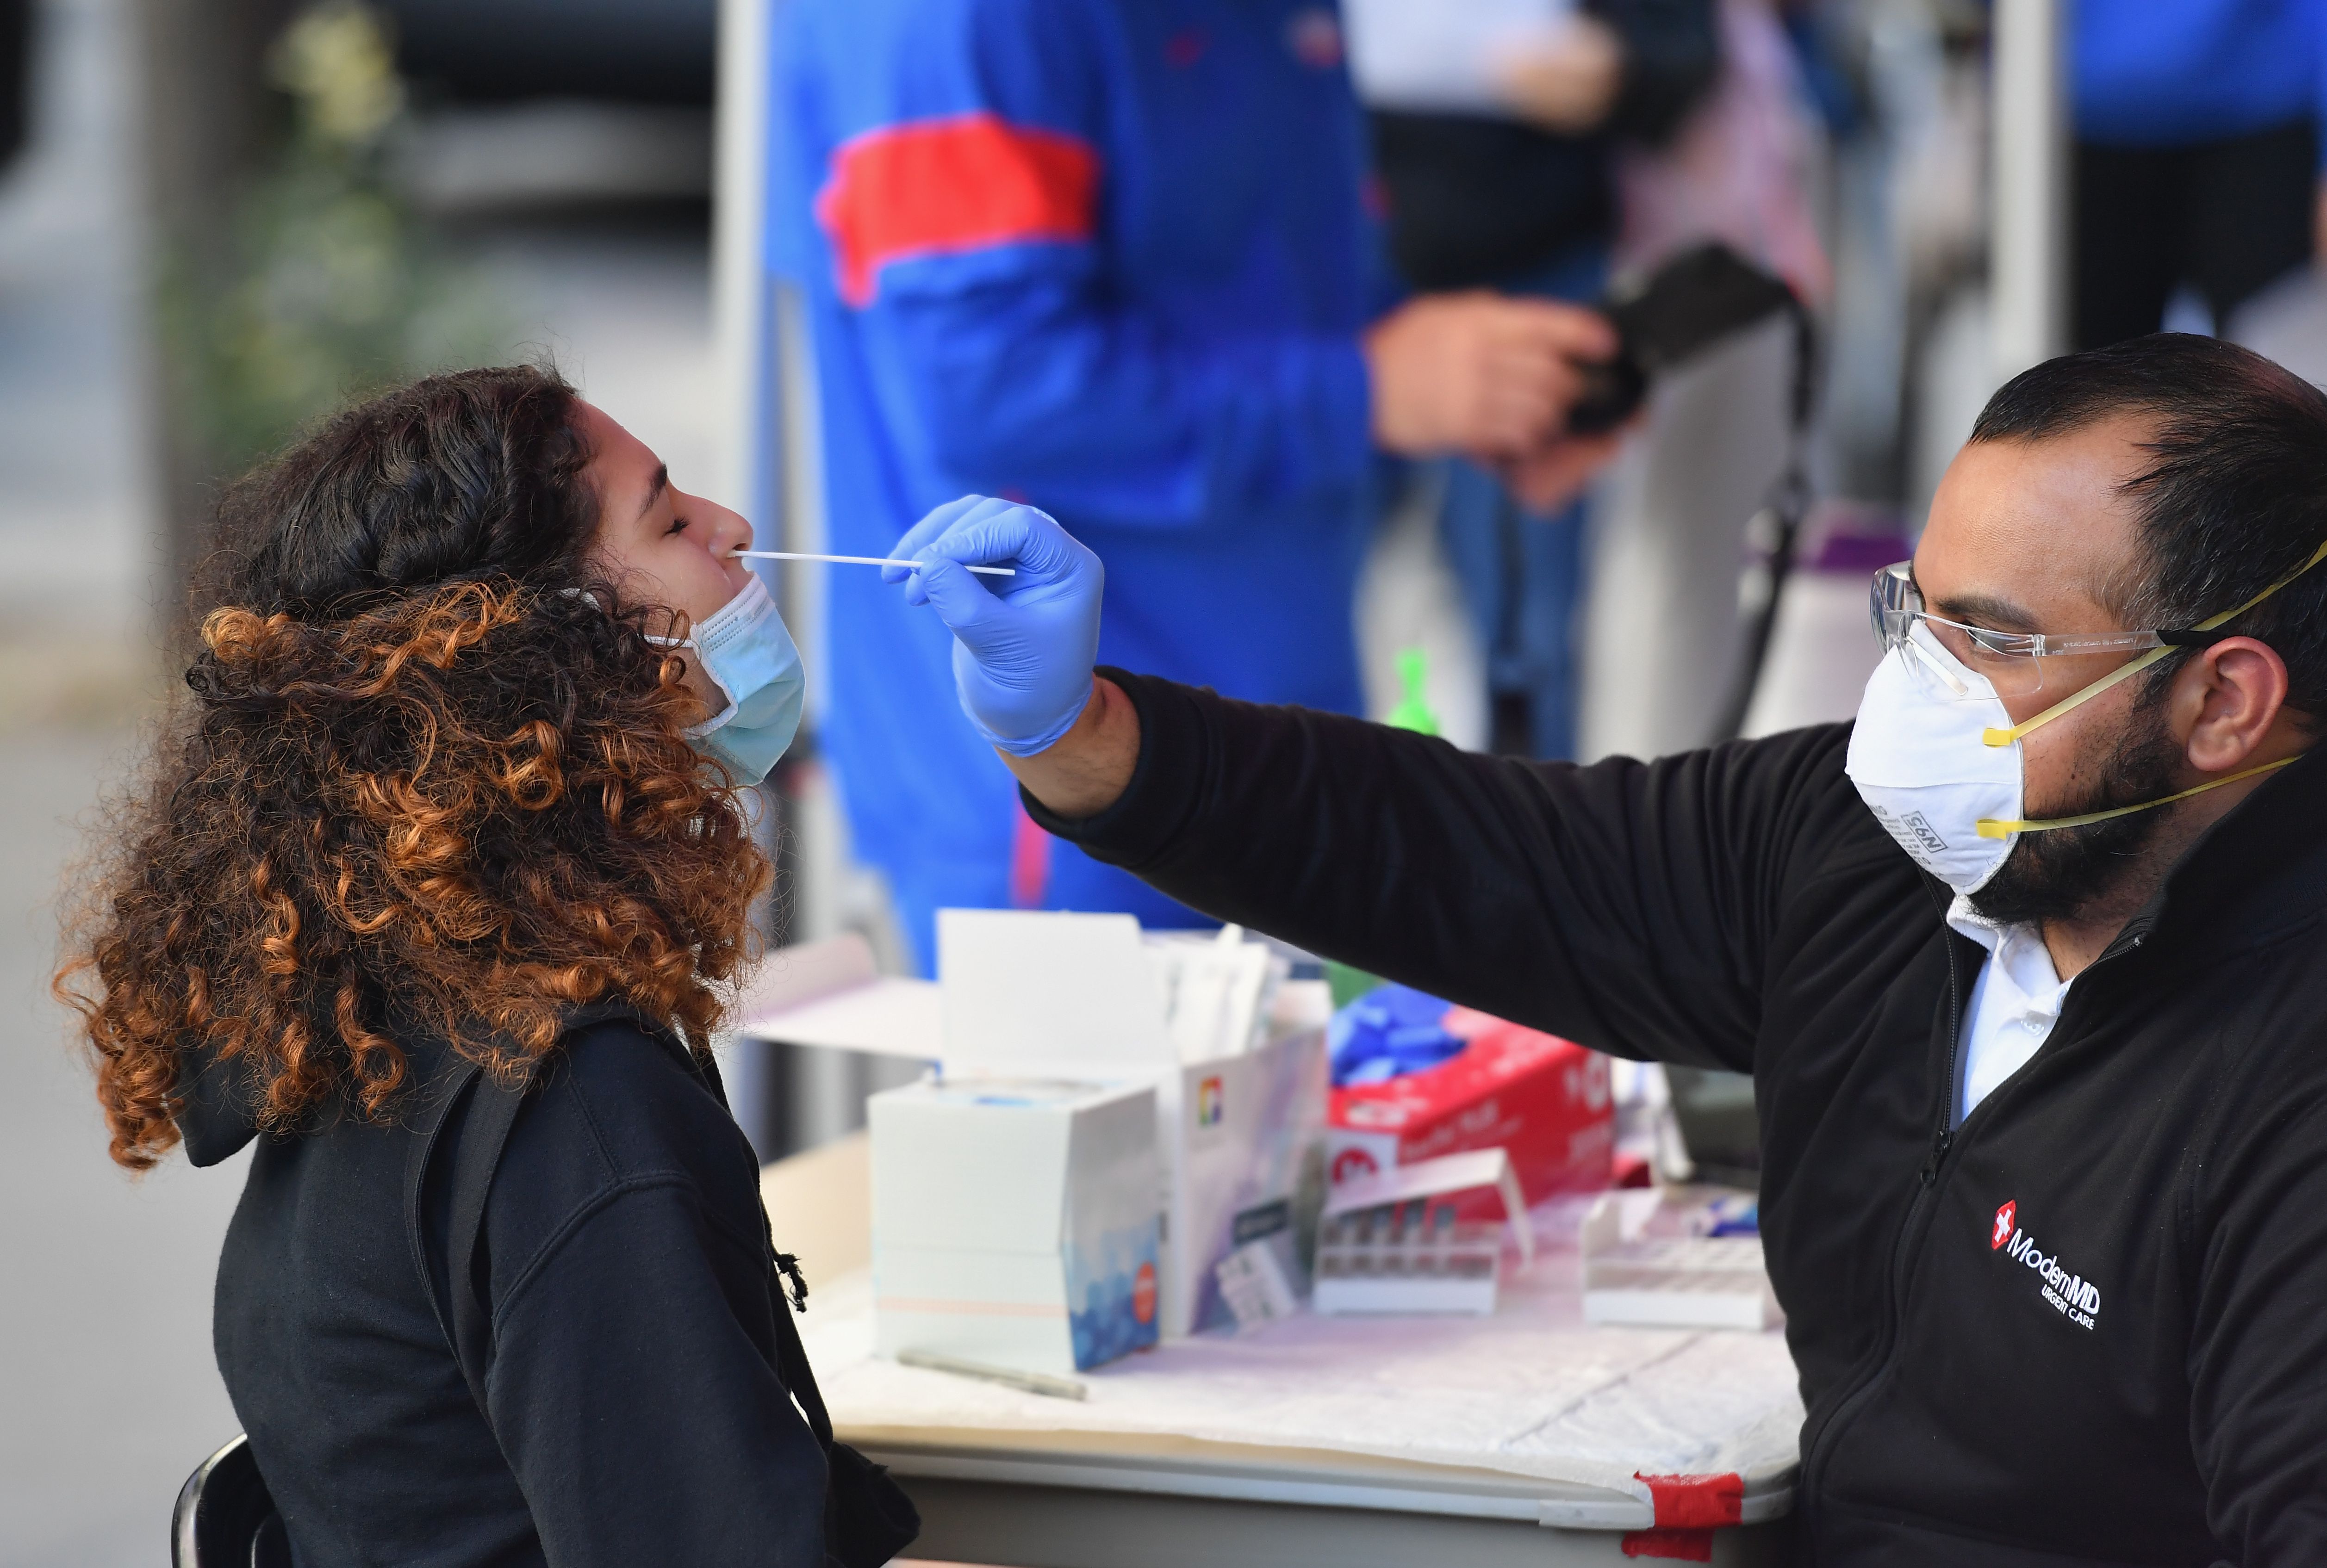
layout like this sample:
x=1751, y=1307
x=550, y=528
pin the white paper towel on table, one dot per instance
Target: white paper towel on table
x=1530, y=1391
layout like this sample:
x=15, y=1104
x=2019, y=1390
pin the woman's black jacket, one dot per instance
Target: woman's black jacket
x=2088, y=1324
x=637, y=1415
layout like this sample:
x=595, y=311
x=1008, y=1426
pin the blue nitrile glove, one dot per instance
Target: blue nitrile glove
x=1389, y=1032
x=1023, y=646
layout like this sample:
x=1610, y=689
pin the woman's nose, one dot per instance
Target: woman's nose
x=729, y=534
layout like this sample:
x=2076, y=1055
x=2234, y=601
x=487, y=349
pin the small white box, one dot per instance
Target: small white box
x=1405, y=1239
x=1652, y=1260
x=1016, y=1223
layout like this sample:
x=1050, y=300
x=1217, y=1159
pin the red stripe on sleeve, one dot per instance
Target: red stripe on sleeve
x=952, y=184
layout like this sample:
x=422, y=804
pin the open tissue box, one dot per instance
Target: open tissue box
x=1231, y=1046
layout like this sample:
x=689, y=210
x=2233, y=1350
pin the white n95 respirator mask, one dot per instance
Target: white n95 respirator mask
x=748, y=654
x=1919, y=761
x=1937, y=760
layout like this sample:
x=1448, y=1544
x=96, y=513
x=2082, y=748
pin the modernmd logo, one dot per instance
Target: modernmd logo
x=2078, y=1299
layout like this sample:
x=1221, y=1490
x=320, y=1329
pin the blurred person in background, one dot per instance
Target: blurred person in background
x=1114, y=261
x=15, y=79
x=443, y=873
x=2197, y=154
x=1686, y=533
x=1495, y=128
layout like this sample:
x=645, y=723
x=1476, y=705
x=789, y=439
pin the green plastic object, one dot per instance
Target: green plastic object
x=1413, y=710
x=1348, y=982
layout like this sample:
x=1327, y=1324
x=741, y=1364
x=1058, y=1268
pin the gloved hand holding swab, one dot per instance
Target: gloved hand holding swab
x=1024, y=650
x=861, y=561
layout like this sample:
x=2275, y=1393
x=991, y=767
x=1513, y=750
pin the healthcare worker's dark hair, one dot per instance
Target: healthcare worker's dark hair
x=2233, y=497
x=428, y=774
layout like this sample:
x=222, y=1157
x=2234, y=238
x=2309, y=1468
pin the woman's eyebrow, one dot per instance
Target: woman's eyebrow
x=654, y=491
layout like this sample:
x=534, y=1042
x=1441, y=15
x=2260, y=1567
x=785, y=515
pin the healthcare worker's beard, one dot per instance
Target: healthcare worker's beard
x=2059, y=872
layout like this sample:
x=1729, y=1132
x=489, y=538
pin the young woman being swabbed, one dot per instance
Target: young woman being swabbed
x=444, y=873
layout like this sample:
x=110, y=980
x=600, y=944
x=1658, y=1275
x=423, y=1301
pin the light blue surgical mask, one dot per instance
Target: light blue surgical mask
x=748, y=652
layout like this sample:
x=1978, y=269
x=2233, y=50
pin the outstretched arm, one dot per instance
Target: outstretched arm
x=1091, y=766
x=1626, y=905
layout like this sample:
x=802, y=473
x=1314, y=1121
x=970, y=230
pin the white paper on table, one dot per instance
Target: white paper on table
x=1443, y=54
x=830, y=993
x=1030, y=994
x=1531, y=1391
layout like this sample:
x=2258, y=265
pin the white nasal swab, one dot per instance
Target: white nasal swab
x=863, y=561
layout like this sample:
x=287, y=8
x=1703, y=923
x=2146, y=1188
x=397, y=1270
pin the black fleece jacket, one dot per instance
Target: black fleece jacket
x=637, y=1413
x=2088, y=1325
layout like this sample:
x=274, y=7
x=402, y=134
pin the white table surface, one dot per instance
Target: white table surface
x=1526, y=1414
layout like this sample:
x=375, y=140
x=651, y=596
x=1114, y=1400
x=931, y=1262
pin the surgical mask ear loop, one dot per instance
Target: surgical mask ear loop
x=723, y=714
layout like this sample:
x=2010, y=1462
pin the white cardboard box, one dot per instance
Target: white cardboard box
x=1032, y=996
x=1037, y=994
x=1015, y=1223
x=1243, y=1125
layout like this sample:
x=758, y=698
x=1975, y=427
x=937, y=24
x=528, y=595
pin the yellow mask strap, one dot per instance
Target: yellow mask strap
x=2082, y=696
x=2005, y=737
x=1989, y=827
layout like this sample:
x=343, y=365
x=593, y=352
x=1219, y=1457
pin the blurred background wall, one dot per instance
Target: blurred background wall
x=220, y=225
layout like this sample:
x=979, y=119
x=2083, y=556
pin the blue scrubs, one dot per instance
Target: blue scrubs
x=1110, y=257
x=2153, y=73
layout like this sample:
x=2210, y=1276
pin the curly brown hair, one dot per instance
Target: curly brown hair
x=431, y=775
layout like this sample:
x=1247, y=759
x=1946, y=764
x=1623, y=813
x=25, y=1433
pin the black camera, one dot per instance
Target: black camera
x=1676, y=312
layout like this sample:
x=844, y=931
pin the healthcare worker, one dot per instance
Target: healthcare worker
x=1113, y=259
x=2026, y=964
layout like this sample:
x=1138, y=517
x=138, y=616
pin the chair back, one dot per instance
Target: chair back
x=225, y=1516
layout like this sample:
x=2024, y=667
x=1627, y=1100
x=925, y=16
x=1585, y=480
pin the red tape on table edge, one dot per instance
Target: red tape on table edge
x=1694, y=1502
x=1674, y=1545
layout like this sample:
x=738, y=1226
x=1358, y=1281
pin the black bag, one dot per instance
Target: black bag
x=867, y=1517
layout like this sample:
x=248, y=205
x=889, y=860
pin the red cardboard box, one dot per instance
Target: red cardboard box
x=1543, y=1098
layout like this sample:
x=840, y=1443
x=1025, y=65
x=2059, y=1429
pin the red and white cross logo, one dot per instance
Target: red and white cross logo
x=2003, y=1218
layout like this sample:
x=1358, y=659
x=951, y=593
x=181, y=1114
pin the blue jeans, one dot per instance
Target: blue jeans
x=1522, y=576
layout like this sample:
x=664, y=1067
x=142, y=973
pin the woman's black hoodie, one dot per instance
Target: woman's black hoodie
x=637, y=1413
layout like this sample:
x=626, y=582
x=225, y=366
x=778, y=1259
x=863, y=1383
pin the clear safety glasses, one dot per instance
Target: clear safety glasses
x=2014, y=662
